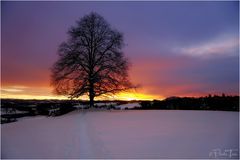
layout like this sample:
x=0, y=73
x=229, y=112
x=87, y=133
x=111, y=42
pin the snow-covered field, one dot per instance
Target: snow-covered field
x=128, y=105
x=122, y=134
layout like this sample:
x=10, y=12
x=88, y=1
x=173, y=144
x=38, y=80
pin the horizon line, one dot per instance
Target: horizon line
x=67, y=99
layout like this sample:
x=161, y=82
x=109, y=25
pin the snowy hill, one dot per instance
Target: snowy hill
x=122, y=134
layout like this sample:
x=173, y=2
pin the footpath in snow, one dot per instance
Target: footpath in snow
x=123, y=134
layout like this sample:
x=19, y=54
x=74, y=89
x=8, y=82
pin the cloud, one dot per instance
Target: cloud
x=28, y=92
x=181, y=75
x=11, y=90
x=221, y=46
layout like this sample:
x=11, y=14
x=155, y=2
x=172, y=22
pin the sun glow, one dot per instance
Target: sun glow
x=135, y=96
x=16, y=92
x=30, y=93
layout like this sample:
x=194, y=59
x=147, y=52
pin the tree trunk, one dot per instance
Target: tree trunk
x=91, y=96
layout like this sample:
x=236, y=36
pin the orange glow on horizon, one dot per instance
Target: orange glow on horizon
x=37, y=97
x=41, y=93
x=120, y=96
x=136, y=96
x=24, y=92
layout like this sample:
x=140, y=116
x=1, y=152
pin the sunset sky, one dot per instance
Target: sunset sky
x=175, y=48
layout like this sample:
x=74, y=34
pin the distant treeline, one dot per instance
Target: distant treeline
x=215, y=102
x=220, y=103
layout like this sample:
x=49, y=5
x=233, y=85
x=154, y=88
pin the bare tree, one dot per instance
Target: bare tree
x=91, y=61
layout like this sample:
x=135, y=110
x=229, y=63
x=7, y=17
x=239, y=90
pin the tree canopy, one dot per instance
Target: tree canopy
x=91, y=61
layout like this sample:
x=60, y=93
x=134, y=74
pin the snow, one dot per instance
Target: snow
x=121, y=134
x=82, y=106
x=106, y=104
x=13, y=112
x=128, y=105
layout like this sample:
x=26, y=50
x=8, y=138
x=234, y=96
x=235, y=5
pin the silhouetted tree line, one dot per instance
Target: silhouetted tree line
x=42, y=107
x=216, y=103
x=36, y=107
x=62, y=108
